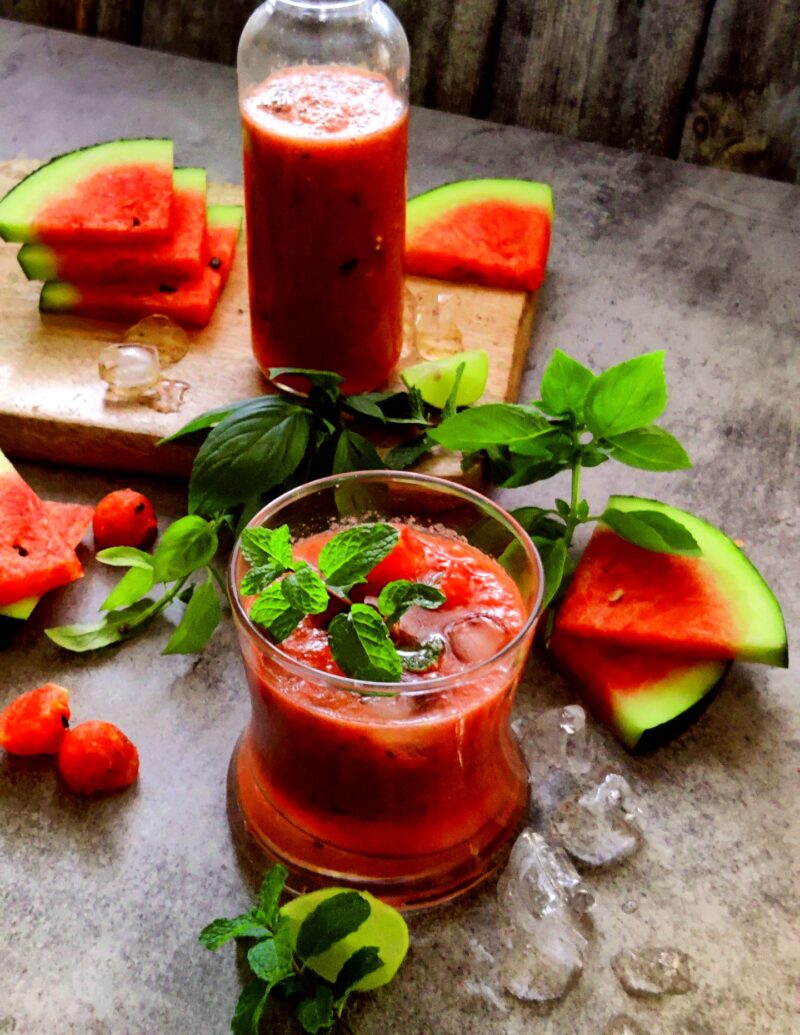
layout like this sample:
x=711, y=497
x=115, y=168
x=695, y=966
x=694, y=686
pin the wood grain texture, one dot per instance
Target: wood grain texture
x=604, y=70
x=208, y=30
x=745, y=112
x=52, y=402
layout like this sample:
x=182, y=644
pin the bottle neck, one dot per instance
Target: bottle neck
x=326, y=6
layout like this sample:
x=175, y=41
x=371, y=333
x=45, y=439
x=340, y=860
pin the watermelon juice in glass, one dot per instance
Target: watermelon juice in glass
x=412, y=790
x=323, y=92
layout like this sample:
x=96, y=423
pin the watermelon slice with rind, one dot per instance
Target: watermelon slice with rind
x=713, y=607
x=490, y=232
x=178, y=257
x=34, y=557
x=644, y=697
x=190, y=302
x=116, y=191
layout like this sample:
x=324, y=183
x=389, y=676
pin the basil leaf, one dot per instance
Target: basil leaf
x=315, y=1013
x=218, y=932
x=188, y=544
x=320, y=378
x=134, y=584
x=627, y=396
x=246, y=1018
x=363, y=961
x=248, y=453
x=652, y=530
x=115, y=627
x=650, y=449
x=397, y=597
x=366, y=405
x=361, y=646
x=549, y=442
x=268, y=546
x=200, y=619
x=537, y=522
x=350, y=556
x=493, y=424
x=449, y=408
x=274, y=612
x=554, y=560
x=210, y=419
x=305, y=590
x=271, y=959
x=424, y=657
x=403, y=456
x=331, y=921
x=565, y=384
x=269, y=894
x=125, y=557
x=355, y=453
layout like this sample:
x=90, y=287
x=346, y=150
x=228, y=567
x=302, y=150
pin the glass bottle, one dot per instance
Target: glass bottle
x=323, y=94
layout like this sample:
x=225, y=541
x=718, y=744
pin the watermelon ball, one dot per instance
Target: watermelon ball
x=35, y=722
x=97, y=757
x=124, y=518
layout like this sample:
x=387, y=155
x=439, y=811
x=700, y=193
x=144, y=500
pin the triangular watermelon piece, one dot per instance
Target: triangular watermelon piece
x=715, y=606
x=180, y=256
x=33, y=556
x=189, y=302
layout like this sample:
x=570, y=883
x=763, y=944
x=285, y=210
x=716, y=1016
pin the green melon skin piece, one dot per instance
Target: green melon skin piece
x=438, y=202
x=748, y=617
x=45, y=185
x=384, y=928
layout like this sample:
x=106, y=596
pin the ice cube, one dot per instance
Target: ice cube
x=539, y=880
x=544, y=963
x=652, y=971
x=621, y=1024
x=476, y=638
x=601, y=826
x=130, y=371
x=483, y=990
x=437, y=327
x=164, y=334
x=168, y=396
x=557, y=739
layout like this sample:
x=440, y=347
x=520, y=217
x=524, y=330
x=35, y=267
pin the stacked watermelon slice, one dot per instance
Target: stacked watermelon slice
x=116, y=232
x=648, y=636
x=38, y=539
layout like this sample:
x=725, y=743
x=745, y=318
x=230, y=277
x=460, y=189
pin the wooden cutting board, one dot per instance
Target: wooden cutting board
x=53, y=405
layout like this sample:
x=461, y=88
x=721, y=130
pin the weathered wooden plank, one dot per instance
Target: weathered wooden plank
x=745, y=112
x=56, y=14
x=117, y=19
x=606, y=70
x=114, y=19
x=207, y=30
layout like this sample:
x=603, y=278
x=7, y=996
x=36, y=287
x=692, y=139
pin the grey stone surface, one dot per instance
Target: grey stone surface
x=101, y=902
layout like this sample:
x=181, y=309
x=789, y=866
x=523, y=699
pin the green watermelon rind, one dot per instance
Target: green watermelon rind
x=40, y=261
x=20, y=610
x=433, y=204
x=740, y=582
x=226, y=216
x=18, y=208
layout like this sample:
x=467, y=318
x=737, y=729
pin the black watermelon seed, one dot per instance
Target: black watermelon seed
x=20, y=550
x=348, y=267
x=167, y=289
x=215, y=263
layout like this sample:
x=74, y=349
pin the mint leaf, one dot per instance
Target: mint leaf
x=361, y=646
x=650, y=449
x=355, y=453
x=115, y=627
x=403, y=456
x=262, y=546
x=397, y=597
x=125, y=557
x=364, y=961
x=493, y=424
x=200, y=619
x=274, y=612
x=188, y=544
x=565, y=384
x=347, y=558
x=424, y=657
x=366, y=405
x=652, y=530
x=627, y=396
x=269, y=894
x=134, y=584
x=315, y=1013
x=305, y=590
x=554, y=561
x=246, y=1018
x=331, y=921
x=257, y=579
x=220, y=931
x=271, y=959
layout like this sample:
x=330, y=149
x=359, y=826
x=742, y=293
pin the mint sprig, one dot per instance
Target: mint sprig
x=281, y=956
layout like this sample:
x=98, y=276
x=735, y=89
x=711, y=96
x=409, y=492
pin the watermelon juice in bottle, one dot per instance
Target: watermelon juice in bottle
x=323, y=89
x=412, y=790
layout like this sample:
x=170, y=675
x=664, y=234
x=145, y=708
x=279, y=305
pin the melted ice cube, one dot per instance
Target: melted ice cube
x=651, y=972
x=621, y=1024
x=437, y=327
x=164, y=334
x=130, y=370
x=601, y=826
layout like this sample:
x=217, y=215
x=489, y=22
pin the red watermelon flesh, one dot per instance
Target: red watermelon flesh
x=181, y=256
x=490, y=232
x=34, y=557
x=189, y=302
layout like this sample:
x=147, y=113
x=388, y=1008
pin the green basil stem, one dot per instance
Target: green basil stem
x=572, y=520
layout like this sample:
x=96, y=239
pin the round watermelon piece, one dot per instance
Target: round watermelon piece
x=191, y=302
x=490, y=232
x=714, y=606
x=114, y=191
x=178, y=257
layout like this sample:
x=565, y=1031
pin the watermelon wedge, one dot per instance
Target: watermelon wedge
x=189, y=302
x=644, y=697
x=180, y=256
x=112, y=192
x=491, y=232
x=33, y=556
x=716, y=606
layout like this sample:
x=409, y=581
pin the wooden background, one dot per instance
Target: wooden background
x=711, y=81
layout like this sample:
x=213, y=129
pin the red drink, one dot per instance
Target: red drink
x=325, y=151
x=414, y=795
